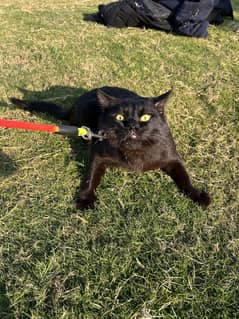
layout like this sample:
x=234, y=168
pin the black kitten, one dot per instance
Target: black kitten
x=136, y=137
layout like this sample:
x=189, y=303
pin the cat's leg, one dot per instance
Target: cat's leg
x=94, y=172
x=176, y=170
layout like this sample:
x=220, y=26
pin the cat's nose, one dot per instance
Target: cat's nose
x=132, y=125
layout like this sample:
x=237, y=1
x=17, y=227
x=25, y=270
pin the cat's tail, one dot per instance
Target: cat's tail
x=42, y=107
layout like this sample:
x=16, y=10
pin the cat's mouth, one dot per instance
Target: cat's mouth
x=132, y=134
x=131, y=140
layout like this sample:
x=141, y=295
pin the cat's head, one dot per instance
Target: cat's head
x=132, y=123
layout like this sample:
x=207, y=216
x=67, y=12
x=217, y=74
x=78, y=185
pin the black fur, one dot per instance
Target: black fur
x=129, y=143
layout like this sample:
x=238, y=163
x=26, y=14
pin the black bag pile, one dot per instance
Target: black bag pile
x=189, y=18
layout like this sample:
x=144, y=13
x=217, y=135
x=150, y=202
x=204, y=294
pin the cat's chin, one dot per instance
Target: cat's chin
x=124, y=143
x=136, y=142
x=132, y=145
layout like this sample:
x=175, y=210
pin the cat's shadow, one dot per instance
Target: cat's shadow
x=6, y=311
x=7, y=165
x=64, y=96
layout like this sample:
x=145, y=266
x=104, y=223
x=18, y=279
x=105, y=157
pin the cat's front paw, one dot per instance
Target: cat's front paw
x=202, y=198
x=83, y=204
x=205, y=199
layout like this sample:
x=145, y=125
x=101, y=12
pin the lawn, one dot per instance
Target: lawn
x=145, y=251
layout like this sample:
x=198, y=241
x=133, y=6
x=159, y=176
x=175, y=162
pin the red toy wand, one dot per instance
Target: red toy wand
x=83, y=131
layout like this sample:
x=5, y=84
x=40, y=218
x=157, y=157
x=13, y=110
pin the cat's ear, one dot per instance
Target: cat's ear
x=160, y=101
x=106, y=100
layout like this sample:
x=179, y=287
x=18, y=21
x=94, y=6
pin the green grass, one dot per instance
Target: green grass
x=145, y=248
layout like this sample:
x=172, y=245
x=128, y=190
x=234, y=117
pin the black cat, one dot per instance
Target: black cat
x=135, y=134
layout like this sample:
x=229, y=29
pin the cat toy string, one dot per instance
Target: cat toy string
x=68, y=130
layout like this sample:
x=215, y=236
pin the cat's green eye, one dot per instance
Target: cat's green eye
x=119, y=117
x=145, y=118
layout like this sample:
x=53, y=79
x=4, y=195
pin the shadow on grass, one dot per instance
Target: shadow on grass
x=229, y=25
x=66, y=97
x=7, y=165
x=5, y=305
x=91, y=17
